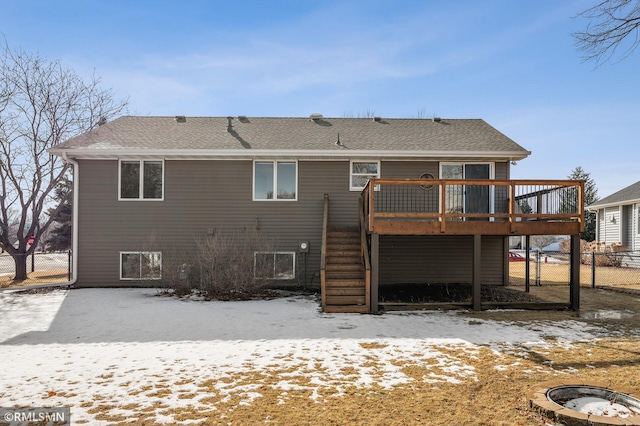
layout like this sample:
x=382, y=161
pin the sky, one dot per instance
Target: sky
x=512, y=63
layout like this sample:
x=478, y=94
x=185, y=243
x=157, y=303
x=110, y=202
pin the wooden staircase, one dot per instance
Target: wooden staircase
x=344, y=285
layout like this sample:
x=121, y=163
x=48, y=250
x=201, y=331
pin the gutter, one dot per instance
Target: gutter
x=301, y=154
x=596, y=207
x=74, y=226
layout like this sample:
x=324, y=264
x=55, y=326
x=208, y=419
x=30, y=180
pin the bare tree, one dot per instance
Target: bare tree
x=41, y=105
x=612, y=25
x=369, y=113
x=541, y=241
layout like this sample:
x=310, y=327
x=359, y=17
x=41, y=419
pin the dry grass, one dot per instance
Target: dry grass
x=35, y=278
x=496, y=395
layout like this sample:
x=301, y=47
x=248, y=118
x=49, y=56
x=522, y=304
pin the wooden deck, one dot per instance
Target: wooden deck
x=349, y=277
x=473, y=207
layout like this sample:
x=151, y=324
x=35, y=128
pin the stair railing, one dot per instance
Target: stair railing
x=323, y=250
x=364, y=252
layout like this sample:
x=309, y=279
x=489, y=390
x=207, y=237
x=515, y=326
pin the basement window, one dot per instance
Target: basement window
x=274, y=265
x=145, y=265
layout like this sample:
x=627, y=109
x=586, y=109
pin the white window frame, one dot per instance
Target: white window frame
x=351, y=174
x=492, y=166
x=141, y=183
x=275, y=181
x=274, y=253
x=141, y=253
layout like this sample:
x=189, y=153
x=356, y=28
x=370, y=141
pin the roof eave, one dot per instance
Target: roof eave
x=80, y=154
x=598, y=206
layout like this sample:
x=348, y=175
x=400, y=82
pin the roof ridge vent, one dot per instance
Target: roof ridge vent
x=316, y=117
x=181, y=119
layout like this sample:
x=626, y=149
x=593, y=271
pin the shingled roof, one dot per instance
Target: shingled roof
x=249, y=136
x=627, y=195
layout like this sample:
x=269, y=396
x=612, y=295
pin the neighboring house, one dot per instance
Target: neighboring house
x=618, y=219
x=147, y=186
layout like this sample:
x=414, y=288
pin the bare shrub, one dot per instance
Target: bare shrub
x=225, y=265
x=177, y=272
x=611, y=255
x=603, y=254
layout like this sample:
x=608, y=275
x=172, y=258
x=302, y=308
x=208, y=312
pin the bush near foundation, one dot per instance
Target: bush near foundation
x=220, y=266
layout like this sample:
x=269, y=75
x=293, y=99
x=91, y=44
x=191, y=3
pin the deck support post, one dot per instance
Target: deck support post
x=574, y=273
x=477, y=268
x=375, y=267
x=505, y=262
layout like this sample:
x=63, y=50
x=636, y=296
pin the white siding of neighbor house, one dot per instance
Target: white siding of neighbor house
x=626, y=226
x=600, y=225
x=611, y=227
x=633, y=260
x=625, y=230
x=636, y=227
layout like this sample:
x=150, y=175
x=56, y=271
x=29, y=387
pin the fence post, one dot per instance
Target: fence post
x=69, y=264
x=33, y=261
x=593, y=269
x=527, y=266
x=538, y=281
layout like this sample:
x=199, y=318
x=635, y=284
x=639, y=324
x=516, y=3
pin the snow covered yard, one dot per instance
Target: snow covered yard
x=120, y=355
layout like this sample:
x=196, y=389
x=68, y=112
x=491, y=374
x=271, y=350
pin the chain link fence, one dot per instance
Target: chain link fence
x=611, y=269
x=42, y=268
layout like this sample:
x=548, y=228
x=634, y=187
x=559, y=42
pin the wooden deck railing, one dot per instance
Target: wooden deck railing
x=474, y=207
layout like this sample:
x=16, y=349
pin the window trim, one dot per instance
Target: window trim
x=140, y=278
x=274, y=253
x=141, y=183
x=275, y=181
x=351, y=174
x=491, y=164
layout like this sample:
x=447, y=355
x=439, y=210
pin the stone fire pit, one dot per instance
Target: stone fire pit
x=586, y=404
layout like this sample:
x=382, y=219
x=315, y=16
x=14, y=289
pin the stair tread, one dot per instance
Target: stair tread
x=344, y=283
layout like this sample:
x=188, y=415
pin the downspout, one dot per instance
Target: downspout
x=74, y=221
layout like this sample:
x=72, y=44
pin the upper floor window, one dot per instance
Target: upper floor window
x=141, y=180
x=275, y=180
x=361, y=172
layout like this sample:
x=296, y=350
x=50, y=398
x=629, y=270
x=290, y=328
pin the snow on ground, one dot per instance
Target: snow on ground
x=130, y=347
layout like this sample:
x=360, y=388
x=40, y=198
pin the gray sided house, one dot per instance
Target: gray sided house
x=618, y=219
x=349, y=203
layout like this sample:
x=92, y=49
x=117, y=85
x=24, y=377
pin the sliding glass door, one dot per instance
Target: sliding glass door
x=467, y=198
